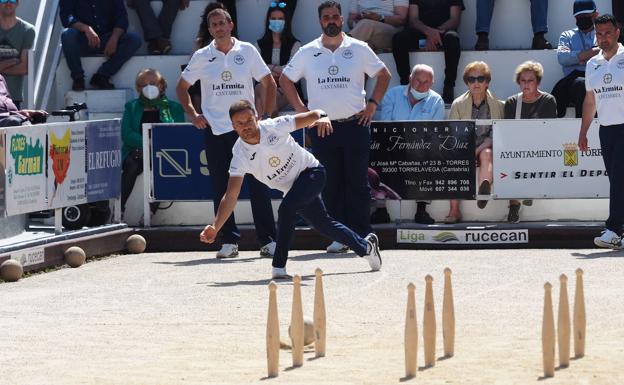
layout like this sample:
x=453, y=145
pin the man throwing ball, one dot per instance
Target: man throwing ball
x=266, y=150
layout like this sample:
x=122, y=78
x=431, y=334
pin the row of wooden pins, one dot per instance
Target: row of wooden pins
x=296, y=324
x=563, y=325
x=429, y=325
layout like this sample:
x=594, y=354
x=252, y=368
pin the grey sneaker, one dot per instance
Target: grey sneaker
x=373, y=257
x=280, y=273
x=337, y=247
x=514, y=214
x=268, y=250
x=608, y=239
x=228, y=250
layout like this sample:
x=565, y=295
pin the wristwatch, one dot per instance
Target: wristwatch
x=323, y=115
x=371, y=100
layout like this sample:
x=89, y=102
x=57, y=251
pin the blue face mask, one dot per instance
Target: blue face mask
x=277, y=26
x=419, y=95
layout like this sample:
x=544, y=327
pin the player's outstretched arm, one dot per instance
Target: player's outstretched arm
x=228, y=202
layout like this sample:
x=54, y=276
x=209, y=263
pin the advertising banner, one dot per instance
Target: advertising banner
x=2, y=173
x=67, y=176
x=462, y=237
x=103, y=160
x=541, y=159
x=424, y=160
x=25, y=173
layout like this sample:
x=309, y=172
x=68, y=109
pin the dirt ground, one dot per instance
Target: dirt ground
x=187, y=318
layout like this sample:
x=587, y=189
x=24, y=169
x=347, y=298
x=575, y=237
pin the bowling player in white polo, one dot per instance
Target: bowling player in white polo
x=604, y=82
x=266, y=150
x=335, y=66
x=227, y=68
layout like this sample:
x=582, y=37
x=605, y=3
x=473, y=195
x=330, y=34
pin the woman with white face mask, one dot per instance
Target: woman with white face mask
x=152, y=106
x=276, y=47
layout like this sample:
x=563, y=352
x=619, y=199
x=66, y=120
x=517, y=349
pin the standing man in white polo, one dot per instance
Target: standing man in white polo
x=335, y=66
x=227, y=68
x=604, y=82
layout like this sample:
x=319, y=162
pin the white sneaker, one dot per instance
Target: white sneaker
x=337, y=247
x=268, y=250
x=280, y=273
x=228, y=250
x=609, y=240
x=373, y=257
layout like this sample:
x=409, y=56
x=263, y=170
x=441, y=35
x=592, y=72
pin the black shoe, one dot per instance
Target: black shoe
x=424, y=218
x=101, y=82
x=483, y=42
x=484, y=189
x=380, y=216
x=514, y=213
x=448, y=94
x=78, y=84
x=539, y=42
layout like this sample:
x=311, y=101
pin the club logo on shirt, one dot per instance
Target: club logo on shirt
x=272, y=139
x=333, y=70
x=318, y=54
x=607, y=78
x=226, y=76
x=347, y=54
x=212, y=59
x=598, y=66
x=620, y=64
x=253, y=156
x=239, y=59
x=274, y=161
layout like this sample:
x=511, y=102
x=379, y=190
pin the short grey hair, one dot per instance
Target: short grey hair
x=422, y=68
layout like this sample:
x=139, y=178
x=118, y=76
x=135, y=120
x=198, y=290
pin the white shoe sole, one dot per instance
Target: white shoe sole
x=234, y=255
x=374, y=258
x=600, y=243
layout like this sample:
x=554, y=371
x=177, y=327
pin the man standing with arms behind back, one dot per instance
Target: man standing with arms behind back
x=604, y=82
x=334, y=66
x=227, y=68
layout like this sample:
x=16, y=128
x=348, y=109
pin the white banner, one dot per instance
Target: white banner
x=462, y=237
x=25, y=174
x=29, y=257
x=540, y=159
x=67, y=175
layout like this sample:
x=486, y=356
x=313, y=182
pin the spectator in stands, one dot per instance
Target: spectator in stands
x=96, y=27
x=11, y=115
x=530, y=103
x=432, y=26
x=376, y=21
x=477, y=103
x=157, y=30
x=618, y=13
x=539, y=16
x=576, y=47
x=152, y=106
x=227, y=68
x=16, y=38
x=335, y=66
x=415, y=101
x=276, y=47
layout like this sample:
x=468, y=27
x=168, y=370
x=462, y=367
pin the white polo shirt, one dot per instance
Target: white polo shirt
x=335, y=80
x=606, y=79
x=277, y=160
x=225, y=79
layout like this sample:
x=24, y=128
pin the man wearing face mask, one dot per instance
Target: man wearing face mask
x=152, y=106
x=576, y=47
x=414, y=101
x=334, y=66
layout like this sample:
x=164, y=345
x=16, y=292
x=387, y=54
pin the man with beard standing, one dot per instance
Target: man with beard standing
x=334, y=66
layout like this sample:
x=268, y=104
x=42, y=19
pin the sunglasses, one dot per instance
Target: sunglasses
x=471, y=79
x=274, y=4
x=8, y=1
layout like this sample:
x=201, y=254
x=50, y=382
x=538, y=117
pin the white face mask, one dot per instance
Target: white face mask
x=419, y=95
x=151, y=92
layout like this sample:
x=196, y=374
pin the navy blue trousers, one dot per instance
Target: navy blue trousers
x=219, y=156
x=611, y=145
x=345, y=154
x=304, y=199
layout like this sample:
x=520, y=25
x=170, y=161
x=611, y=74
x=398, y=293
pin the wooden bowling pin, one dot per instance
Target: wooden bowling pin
x=448, y=316
x=563, y=323
x=272, y=333
x=411, y=333
x=429, y=324
x=296, y=323
x=579, y=316
x=548, y=333
x=319, y=315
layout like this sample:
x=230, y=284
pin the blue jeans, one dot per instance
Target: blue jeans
x=304, y=198
x=539, y=15
x=75, y=46
x=611, y=144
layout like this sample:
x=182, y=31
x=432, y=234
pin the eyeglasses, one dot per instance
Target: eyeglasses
x=472, y=79
x=274, y=4
x=8, y=1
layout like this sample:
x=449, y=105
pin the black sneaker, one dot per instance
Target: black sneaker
x=101, y=82
x=424, y=218
x=484, y=189
x=373, y=257
x=78, y=84
x=483, y=42
x=514, y=213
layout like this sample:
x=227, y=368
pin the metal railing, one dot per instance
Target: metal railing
x=46, y=54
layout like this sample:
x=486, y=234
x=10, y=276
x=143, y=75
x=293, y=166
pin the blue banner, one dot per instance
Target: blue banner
x=179, y=167
x=103, y=160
